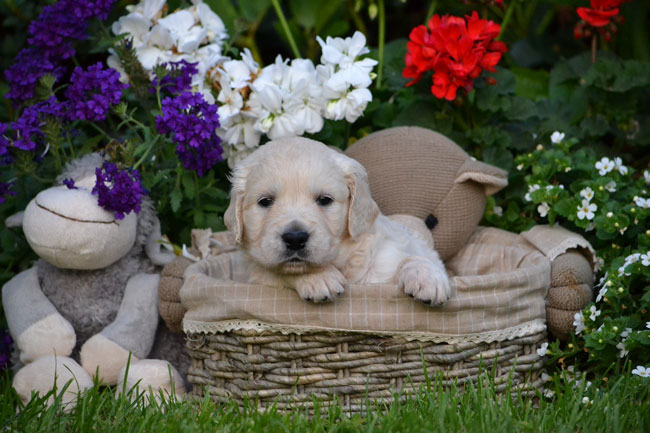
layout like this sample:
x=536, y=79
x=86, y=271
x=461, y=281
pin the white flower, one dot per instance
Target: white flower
x=646, y=176
x=542, y=349
x=641, y=371
x=604, y=166
x=586, y=401
x=557, y=137
x=611, y=186
x=579, y=322
x=587, y=193
x=531, y=188
x=344, y=53
x=647, y=325
x=194, y=34
x=618, y=165
x=497, y=210
x=594, y=313
x=642, y=202
x=622, y=351
x=520, y=167
x=601, y=293
x=626, y=332
x=586, y=210
x=549, y=393
x=645, y=259
x=543, y=209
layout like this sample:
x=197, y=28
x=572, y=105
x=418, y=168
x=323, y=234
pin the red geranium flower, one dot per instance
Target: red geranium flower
x=596, y=17
x=456, y=49
x=599, y=15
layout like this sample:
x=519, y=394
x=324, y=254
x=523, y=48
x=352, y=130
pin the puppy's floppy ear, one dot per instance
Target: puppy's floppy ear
x=234, y=216
x=362, y=209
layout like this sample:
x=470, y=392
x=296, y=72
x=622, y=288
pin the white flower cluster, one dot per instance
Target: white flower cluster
x=605, y=165
x=586, y=209
x=194, y=34
x=290, y=98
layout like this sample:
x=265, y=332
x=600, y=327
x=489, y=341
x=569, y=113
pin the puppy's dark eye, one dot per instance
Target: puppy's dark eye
x=265, y=202
x=324, y=200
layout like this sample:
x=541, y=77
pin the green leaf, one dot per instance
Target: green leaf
x=521, y=109
x=175, y=199
x=565, y=207
x=188, y=184
x=304, y=12
x=324, y=13
x=252, y=10
x=531, y=83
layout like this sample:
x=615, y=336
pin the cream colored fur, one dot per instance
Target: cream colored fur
x=99, y=355
x=279, y=188
x=151, y=376
x=38, y=377
x=52, y=335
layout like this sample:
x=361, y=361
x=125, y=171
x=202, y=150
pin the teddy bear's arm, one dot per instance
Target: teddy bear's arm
x=132, y=331
x=38, y=328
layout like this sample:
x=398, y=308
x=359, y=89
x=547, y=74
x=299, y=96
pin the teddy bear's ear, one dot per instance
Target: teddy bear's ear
x=492, y=178
x=16, y=220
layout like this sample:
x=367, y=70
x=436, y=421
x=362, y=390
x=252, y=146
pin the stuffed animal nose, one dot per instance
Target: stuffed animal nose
x=295, y=240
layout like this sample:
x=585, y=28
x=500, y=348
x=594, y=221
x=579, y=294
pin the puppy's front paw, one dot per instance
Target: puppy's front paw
x=322, y=286
x=424, y=282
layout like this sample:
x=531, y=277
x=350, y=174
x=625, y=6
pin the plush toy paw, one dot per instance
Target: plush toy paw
x=169, y=300
x=52, y=335
x=58, y=373
x=104, y=358
x=423, y=281
x=572, y=278
x=156, y=377
x=322, y=286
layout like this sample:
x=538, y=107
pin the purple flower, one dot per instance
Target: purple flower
x=177, y=77
x=28, y=126
x=69, y=183
x=91, y=9
x=5, y=191
x=56, y=25
x=118, y=191
x=192, y=123
x=29, y=66
x=4, y=145
x=92, y=92
x=5, y=348
x=51, y=37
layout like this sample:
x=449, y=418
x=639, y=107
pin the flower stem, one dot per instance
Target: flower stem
x=431, y=11
x=146, y=153
x=506, y=18
x=594, y=45
x=381, y=42
x=285, y=27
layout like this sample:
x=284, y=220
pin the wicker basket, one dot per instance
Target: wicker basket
x=289, y=371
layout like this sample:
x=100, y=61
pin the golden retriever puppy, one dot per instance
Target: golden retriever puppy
x=303, y=215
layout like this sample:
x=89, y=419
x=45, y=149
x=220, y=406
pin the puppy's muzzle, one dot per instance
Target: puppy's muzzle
x=295, y=240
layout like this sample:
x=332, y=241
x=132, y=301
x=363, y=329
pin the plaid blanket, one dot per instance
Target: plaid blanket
x=499, y=280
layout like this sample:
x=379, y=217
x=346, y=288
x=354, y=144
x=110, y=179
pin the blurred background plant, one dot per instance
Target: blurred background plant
x=518, y=72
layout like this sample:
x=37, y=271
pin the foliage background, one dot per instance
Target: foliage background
x=546, y=82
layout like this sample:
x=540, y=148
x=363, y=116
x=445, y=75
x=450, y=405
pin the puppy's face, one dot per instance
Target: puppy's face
x=294, y=201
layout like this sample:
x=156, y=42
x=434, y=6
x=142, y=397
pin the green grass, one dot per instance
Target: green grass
x=621, y=405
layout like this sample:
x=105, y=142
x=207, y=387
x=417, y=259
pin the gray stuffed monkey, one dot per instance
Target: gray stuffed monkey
x=91, y=302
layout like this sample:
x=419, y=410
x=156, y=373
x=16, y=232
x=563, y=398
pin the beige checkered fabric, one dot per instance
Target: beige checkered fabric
x=499, y=282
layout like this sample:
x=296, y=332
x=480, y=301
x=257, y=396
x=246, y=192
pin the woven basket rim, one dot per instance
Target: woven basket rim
x=217, y=327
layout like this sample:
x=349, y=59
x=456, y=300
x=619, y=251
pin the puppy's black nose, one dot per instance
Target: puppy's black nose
x=295, y=240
